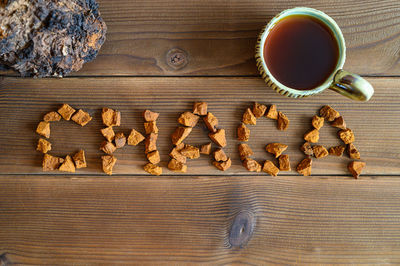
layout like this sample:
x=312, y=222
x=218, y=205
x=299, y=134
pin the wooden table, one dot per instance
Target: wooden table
x=164, y=55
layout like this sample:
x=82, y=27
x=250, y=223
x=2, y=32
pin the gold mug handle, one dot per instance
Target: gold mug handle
x=352, y=86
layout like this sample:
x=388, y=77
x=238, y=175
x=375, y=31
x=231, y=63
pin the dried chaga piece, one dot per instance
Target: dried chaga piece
x=336, y=150
x=355, y=168
x=200, y=108
x=205, y=149
x=320, y=151
x=43, y=129
x=283, y=121
x=81, y=117
x=223, y=166
x=79, y=159
x=219, y=155
x=249, y=118
x=108, y=147
x=180, y=134
x=68, y=165
x=312, y=136
x=188, y=119
x=120, y=140
x=252, y=165
x=51, y=163
x=49, y=38
x=346, y=135
x=317, y=122
x=153, y=169
x=66, y=111
x=51, y=117
x=153, y=157
x=284, y=162
x=307, y=149
x=272, y=112
x=190, y=152
x=108, y=163
x=339, y=123
x=352, y=151
x=150, y=144
x=304, y=167
x=43, y=146
x=176, y=166
x=259, y=110
x=111, y=117
x=243, y=133
x=244, y=151
x=218, y=137
x=175, y=154
x=270, y=168
x=150, y=127
x=276, y=148
x=328, y=113
x=135, y=138
x=150, y=116
x=211, y=122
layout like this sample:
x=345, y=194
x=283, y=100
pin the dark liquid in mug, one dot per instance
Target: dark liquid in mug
x=301, y=52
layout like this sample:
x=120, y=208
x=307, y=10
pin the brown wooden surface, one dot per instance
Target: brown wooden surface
x=132, y=218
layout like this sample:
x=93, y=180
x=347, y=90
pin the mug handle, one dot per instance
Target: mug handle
x=352, y=86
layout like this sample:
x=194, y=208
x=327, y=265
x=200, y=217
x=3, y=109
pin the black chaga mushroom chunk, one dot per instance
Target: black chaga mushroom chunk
x=42, y=38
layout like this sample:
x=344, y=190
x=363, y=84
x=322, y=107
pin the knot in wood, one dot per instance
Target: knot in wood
x=176, y=58
x=4, y=261
x=242, y=229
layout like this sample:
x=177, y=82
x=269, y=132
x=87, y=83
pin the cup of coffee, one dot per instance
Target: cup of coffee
x=301, y=52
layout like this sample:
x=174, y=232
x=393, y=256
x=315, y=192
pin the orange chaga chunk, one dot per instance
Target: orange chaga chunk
x=307, y=149
x=68, y=165
x=304, y=167
x=328, y=113
x=356, y=168
x=244, y=151
x=211, y=122
x=81, y=117
x=346, y=135
x=252, y=165
x=175, y=153
x=151, y=127
x=205, y=149
x=51, y=163
x=352, y=151
x=150, y=116
x=320, y=151
x=43, y=129
x=153, y=169
x=317, y=122
x=180, y=134
x=337, y=150
x=218, y=137
x=188, y=119
x=120, y=140
x=66, y=111
x=43, y=146
x=51, y=117
x=339, y=123
x=135, y=138
x=243, y=133
x=108, y=163
x=270, y=168
x=153, y=157
x=190, y=152
x=177, y=166
x=150, y=144
x=284, y=162
x=249, y=118
x=108, y=133
x=312, y=136
x=79, y=159
x=272, y=112
x=223, y=166
x=111, y=117
x=259, y=110
x=276, y=148
x=219, y=155
x=108, y=147
x=283, y=121
x=200, y=108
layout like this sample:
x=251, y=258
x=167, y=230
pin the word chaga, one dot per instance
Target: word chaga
x=68, y=164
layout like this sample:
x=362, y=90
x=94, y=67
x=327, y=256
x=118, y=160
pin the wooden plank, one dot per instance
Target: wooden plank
x=23, y=102
x=100, y=220
x=218, y=37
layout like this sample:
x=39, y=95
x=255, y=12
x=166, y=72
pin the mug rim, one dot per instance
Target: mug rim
x=321, y=16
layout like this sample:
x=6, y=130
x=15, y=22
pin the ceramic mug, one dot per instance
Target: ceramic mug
x=341, y=81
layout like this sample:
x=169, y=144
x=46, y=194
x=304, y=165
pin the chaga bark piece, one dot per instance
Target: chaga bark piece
x=272, y=112
x=79, y=159
x=252, y=165
x=223, y=166
x=244, y=151
x=346, y=135
x=219, y=155
x=43, y=146
x=243, y=132
x=67, y=165
x=320, y=151
x=270, y=168
x=150, y=116
x=276, y=148
x=190, y=152
x=43, y=38
x=188, y=119
x=249, y=118
x=111, y=117
x=307, y=149
x=259, y=110
x=150, y=144
x=353, y=152
x=312, y=136
x=150, y=127
x=211, y=122
x=66, y=111
x=317, y=122
x=153, y=157
x=304, y=167
x=180, y=134
x=339, y=123
x=205, y=149
x=120, y=140
x=200, y=108
x=108, y=133
x=283, y=121
x=108, y=163
x=218, y=137
x=51, y=163
x=355, y=168
x=177, y=166
x=153, y=169
x=108, y=147
x=51, y=117
x=81, y=117
x=175, y=154
x=43, y=129
x=328, y=113
x=284, y=162
x=336, y=150
x=135, y=138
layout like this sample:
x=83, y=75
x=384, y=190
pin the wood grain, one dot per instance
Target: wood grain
x=120, y=220
x=23, y=102
x=218, y=37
